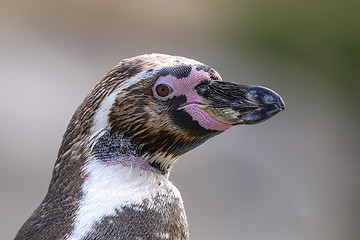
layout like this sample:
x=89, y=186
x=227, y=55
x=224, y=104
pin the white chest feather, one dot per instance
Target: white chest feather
x=109, y=188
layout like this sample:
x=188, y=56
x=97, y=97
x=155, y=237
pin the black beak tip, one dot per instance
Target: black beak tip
x=265, y=96
x=268, y=104
x=280, y=104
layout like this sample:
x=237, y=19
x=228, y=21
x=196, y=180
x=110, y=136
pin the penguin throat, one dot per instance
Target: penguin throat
x=133, y=162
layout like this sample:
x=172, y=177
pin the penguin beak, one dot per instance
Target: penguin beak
x=236, y=104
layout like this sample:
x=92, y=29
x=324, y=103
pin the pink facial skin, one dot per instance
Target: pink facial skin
x=193, y=106
x=134, y=162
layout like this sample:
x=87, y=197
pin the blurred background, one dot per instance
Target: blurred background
x=295, y=176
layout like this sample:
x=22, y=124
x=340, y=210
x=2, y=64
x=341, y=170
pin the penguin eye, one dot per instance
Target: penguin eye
x=163, y=90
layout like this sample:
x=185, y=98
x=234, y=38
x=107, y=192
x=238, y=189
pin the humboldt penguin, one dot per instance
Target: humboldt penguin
x=110, y=179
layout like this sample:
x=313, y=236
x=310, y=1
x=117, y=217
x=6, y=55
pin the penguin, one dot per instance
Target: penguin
x=111, y=176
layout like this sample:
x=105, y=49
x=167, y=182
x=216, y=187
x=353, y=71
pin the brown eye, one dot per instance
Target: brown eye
x=163, y=90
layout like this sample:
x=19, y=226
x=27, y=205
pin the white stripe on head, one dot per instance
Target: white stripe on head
x=101, y=118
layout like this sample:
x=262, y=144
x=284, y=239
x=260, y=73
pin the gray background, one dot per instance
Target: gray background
x=295, y=176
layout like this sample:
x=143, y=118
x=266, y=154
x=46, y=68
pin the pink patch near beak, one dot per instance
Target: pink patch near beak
x=203, y=118
x=186, y=86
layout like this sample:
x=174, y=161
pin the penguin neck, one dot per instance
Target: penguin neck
x=110, y=186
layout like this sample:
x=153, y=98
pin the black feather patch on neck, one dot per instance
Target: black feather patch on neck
x=114, y=145
x=114, y=148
